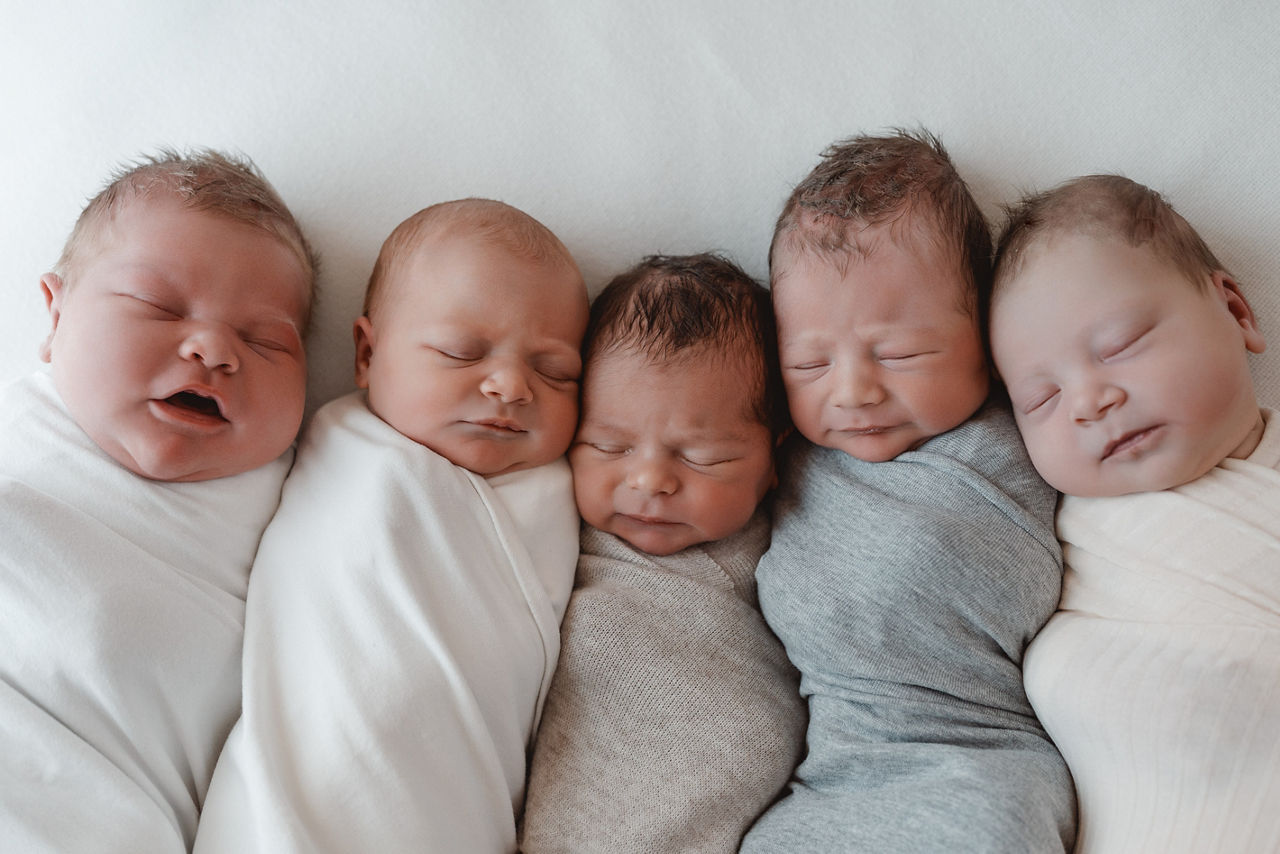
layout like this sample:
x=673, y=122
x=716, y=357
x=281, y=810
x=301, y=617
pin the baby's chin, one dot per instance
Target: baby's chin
x=167, y=471
x=487, y=464
x=655, y=549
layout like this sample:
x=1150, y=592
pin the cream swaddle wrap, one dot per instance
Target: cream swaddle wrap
x=1159, y=677
x=122, y=603
x=402, y=630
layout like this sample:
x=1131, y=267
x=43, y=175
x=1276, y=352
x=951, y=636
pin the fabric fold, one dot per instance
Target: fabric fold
x=673, y=720
x=399, y=640
x=121, y=617
x=1159, y=677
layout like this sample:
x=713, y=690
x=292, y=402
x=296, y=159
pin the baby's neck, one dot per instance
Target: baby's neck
x=1250, y=443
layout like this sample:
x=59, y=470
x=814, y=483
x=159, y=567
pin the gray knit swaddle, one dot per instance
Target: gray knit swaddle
x=673, y=719
x=906, y=592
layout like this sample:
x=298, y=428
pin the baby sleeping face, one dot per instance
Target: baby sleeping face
x=1124, y=375
x=177, y=341
x=880, y=351
x=473, y=352
x=670, y=453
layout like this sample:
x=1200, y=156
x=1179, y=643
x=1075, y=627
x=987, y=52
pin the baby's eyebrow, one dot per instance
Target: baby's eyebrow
x=804, y=338
x=568, y=354
x=595, y=424
x=275, y=322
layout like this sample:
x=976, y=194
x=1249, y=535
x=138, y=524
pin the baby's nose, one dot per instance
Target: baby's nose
x=213, y=345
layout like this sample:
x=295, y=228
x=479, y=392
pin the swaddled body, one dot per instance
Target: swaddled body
x=121, y=674
x=402, y=630
x=136, y=478
x=913, y=557
x=905, y=592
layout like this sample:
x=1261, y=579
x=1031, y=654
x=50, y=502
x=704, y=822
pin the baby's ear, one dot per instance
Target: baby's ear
x=52, y=286
x=1240, y=309
x=362, y=332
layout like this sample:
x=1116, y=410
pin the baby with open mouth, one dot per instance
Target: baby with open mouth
x=138, y=474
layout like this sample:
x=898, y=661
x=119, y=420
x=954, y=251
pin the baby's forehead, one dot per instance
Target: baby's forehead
x=439, y=248
x=844, y=243
x=736, y=365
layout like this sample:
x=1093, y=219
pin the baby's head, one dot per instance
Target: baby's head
x=469, y=340
x=880, y=268
x=1122, y=339
x=682, y=404
x=179, y=308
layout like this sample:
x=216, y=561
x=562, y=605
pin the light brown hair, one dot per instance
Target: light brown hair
x=506, y=226
x=904, y=177
x=202, y=179
x=1108, y=207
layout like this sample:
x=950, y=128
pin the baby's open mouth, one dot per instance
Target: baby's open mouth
x=198, y=403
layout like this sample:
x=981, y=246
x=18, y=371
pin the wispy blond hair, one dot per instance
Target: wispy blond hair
x=202, y=179
x=486, y=219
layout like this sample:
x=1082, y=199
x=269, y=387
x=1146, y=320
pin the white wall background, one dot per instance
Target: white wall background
x=627, y=126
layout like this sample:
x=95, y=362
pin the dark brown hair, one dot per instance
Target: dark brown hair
x=669, y=307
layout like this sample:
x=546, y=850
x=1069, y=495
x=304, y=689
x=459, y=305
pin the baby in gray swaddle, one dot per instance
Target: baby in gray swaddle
x=673, y=720
x=913, y=554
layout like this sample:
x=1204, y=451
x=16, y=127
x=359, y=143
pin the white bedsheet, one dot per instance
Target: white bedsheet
x=399, y=643
x=121, y=616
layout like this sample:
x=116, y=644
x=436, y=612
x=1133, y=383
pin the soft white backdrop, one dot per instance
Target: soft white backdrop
x=627, y=126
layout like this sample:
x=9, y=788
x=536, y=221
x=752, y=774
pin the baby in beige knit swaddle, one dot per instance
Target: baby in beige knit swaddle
x=1124, y=343
x=673, y=719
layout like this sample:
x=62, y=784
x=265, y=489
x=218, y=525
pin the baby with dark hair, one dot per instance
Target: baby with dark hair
x=913, y=556
x=673, y=718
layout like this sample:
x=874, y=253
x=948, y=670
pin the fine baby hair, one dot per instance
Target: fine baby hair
x=671, y=307
x=203, y=179
x=488, y=220
x=1105, y=206
x=902, y=177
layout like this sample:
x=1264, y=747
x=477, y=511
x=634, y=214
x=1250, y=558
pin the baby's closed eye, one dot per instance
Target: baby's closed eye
x=1037, y=400
x=1123, y=345
x=154, y=306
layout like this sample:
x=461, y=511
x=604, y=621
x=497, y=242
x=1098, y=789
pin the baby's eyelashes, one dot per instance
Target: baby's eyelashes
x=268, y=345
x=1039, y=400
x=904, y=357
x=1125, y=345
x=607, y=450
x=155, y=306
x=559, y=373
x=707, y=462
x=455, y=355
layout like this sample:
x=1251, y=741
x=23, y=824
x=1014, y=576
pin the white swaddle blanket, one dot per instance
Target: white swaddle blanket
x=400, y=638
x=121, y=616
x=1159, y=677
